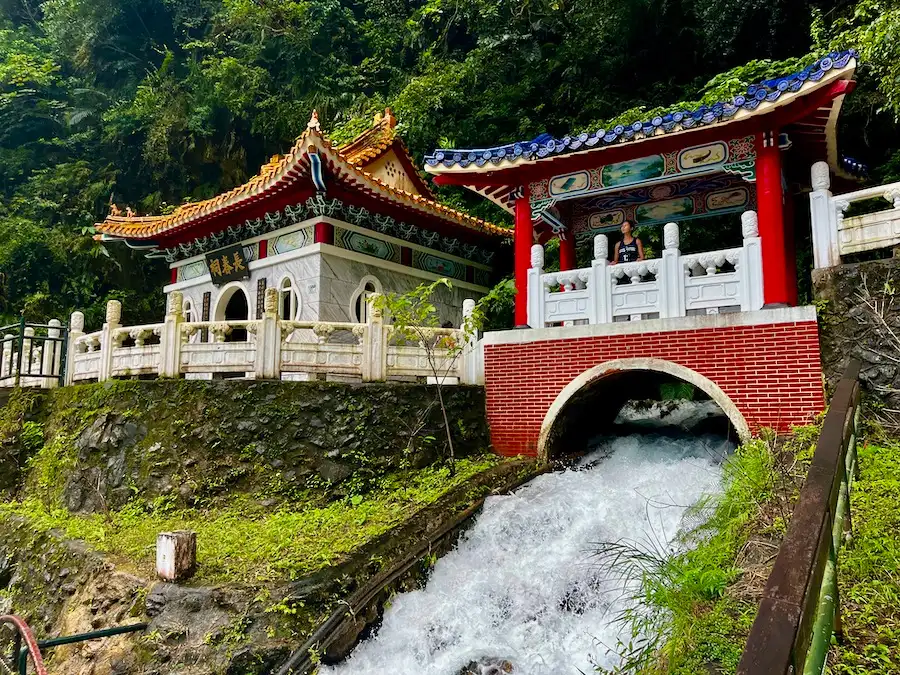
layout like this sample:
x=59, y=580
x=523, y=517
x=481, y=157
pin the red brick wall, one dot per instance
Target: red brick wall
x=771, y=372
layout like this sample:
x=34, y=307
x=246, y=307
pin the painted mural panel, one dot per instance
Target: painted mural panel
x=728, y=199
x=633, y=171
x=671, y=209
x=607, y=219
x=702, y=156
x=570, y=184
x=439, y=266
x=193, y=270
x=292, y=240
x=360, y=243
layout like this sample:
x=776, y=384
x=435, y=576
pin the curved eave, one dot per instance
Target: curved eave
x=643, y=142
x=275, y=179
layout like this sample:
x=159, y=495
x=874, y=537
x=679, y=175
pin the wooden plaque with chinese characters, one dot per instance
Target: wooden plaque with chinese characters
x=227, y=264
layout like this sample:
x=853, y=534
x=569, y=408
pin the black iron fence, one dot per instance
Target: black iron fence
x=33, y=354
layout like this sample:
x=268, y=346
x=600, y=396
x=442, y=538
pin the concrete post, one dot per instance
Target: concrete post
x=27, y=355
x=76, y=330
x=268, y=339
x=534, y=288
x=671, y=275
x=374, y=365
x=470, y=367
x=176, y=555
x=6, y=362
x=170, y=338
x=107, y=344
x=52, y=355
x=600, y=310
x=751, y=264
x=824, y=218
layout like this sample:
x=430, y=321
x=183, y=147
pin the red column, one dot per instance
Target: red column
x=770, y=199
x=524, y=238
x=324, y=233
x=567, y=252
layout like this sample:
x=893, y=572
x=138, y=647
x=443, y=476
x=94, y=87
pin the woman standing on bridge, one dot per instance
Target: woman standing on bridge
x=630, y=248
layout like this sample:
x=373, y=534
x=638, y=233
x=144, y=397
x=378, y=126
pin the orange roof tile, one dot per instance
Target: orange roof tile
x=349, y=160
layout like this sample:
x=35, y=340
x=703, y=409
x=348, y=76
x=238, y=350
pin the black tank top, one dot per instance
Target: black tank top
x=628, y=252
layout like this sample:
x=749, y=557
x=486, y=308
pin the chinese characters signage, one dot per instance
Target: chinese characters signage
x=227, y=264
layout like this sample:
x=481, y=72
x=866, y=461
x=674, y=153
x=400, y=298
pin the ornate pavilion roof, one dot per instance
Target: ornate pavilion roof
x=346, y=166
x=830, y=76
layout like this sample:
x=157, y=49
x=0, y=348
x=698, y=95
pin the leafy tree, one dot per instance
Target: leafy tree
x=414, y=319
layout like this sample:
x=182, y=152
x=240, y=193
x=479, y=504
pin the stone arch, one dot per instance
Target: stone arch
x=225, y=295
x=617, y=367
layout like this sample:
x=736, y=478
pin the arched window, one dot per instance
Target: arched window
x=288, y=300
x=359, y=304
x=187, y=309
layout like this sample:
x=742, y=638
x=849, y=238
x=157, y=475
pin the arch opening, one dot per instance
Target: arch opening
x=234, y=305
x=636, y=396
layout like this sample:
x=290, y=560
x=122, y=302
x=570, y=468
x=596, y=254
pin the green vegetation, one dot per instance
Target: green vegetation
x=247, y=542
x=149, y=103
x=703, y=601
x=869, y=568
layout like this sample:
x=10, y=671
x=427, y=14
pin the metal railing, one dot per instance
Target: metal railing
x=33, y=354
x=800, y=609
x=20, y=655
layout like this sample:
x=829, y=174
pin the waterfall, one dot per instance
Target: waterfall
x=521, y=589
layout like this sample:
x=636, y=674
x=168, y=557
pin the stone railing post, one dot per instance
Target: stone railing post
x=824, y=217
x=76, y=330
x=50, y=359
x=107, y=343
x=375, y=344
x=6, y=361
x=170, y=338
x=671, y=276
x=268, y=339
x=27, y=354
x=600, y=288
x=471, y=366
x=535, y=303
x=750, y=264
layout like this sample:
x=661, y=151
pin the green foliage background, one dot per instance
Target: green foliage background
x=153, y=102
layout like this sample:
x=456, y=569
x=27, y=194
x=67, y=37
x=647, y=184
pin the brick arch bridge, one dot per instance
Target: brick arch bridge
x=762, y=368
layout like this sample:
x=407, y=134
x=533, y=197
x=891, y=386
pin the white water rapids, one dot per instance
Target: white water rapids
x=522, y=586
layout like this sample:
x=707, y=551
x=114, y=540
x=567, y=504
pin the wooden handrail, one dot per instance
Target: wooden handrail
x=802, y=584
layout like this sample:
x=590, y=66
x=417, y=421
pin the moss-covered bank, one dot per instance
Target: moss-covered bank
x=300, y=493
x=187, y=443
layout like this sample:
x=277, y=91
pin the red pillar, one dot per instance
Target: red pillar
x=567, y=252
x=770, y=198
x=323, y=233
x=524, y=238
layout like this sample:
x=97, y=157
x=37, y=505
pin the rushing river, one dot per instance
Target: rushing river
x=521, y=585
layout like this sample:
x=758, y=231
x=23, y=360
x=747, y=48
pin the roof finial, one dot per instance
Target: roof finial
x=314, y=120
x=389, y=116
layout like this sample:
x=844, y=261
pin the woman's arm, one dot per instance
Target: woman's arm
x=640, y=250
x=615, y=259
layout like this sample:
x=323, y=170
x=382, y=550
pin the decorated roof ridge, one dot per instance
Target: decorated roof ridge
x=284, y=169
x=378, y=139
x=545, y=145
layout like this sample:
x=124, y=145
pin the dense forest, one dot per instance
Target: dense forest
x=149, y=103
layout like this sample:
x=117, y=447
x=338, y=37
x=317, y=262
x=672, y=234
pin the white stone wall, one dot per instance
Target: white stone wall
x=341, y=280
x=325, y=278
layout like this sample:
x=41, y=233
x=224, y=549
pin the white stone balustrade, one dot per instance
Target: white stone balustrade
x=674, y=285
x=268, y=348
x=834, y=235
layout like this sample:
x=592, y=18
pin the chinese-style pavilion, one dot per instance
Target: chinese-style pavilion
x=754, y=151
x=328, y=225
